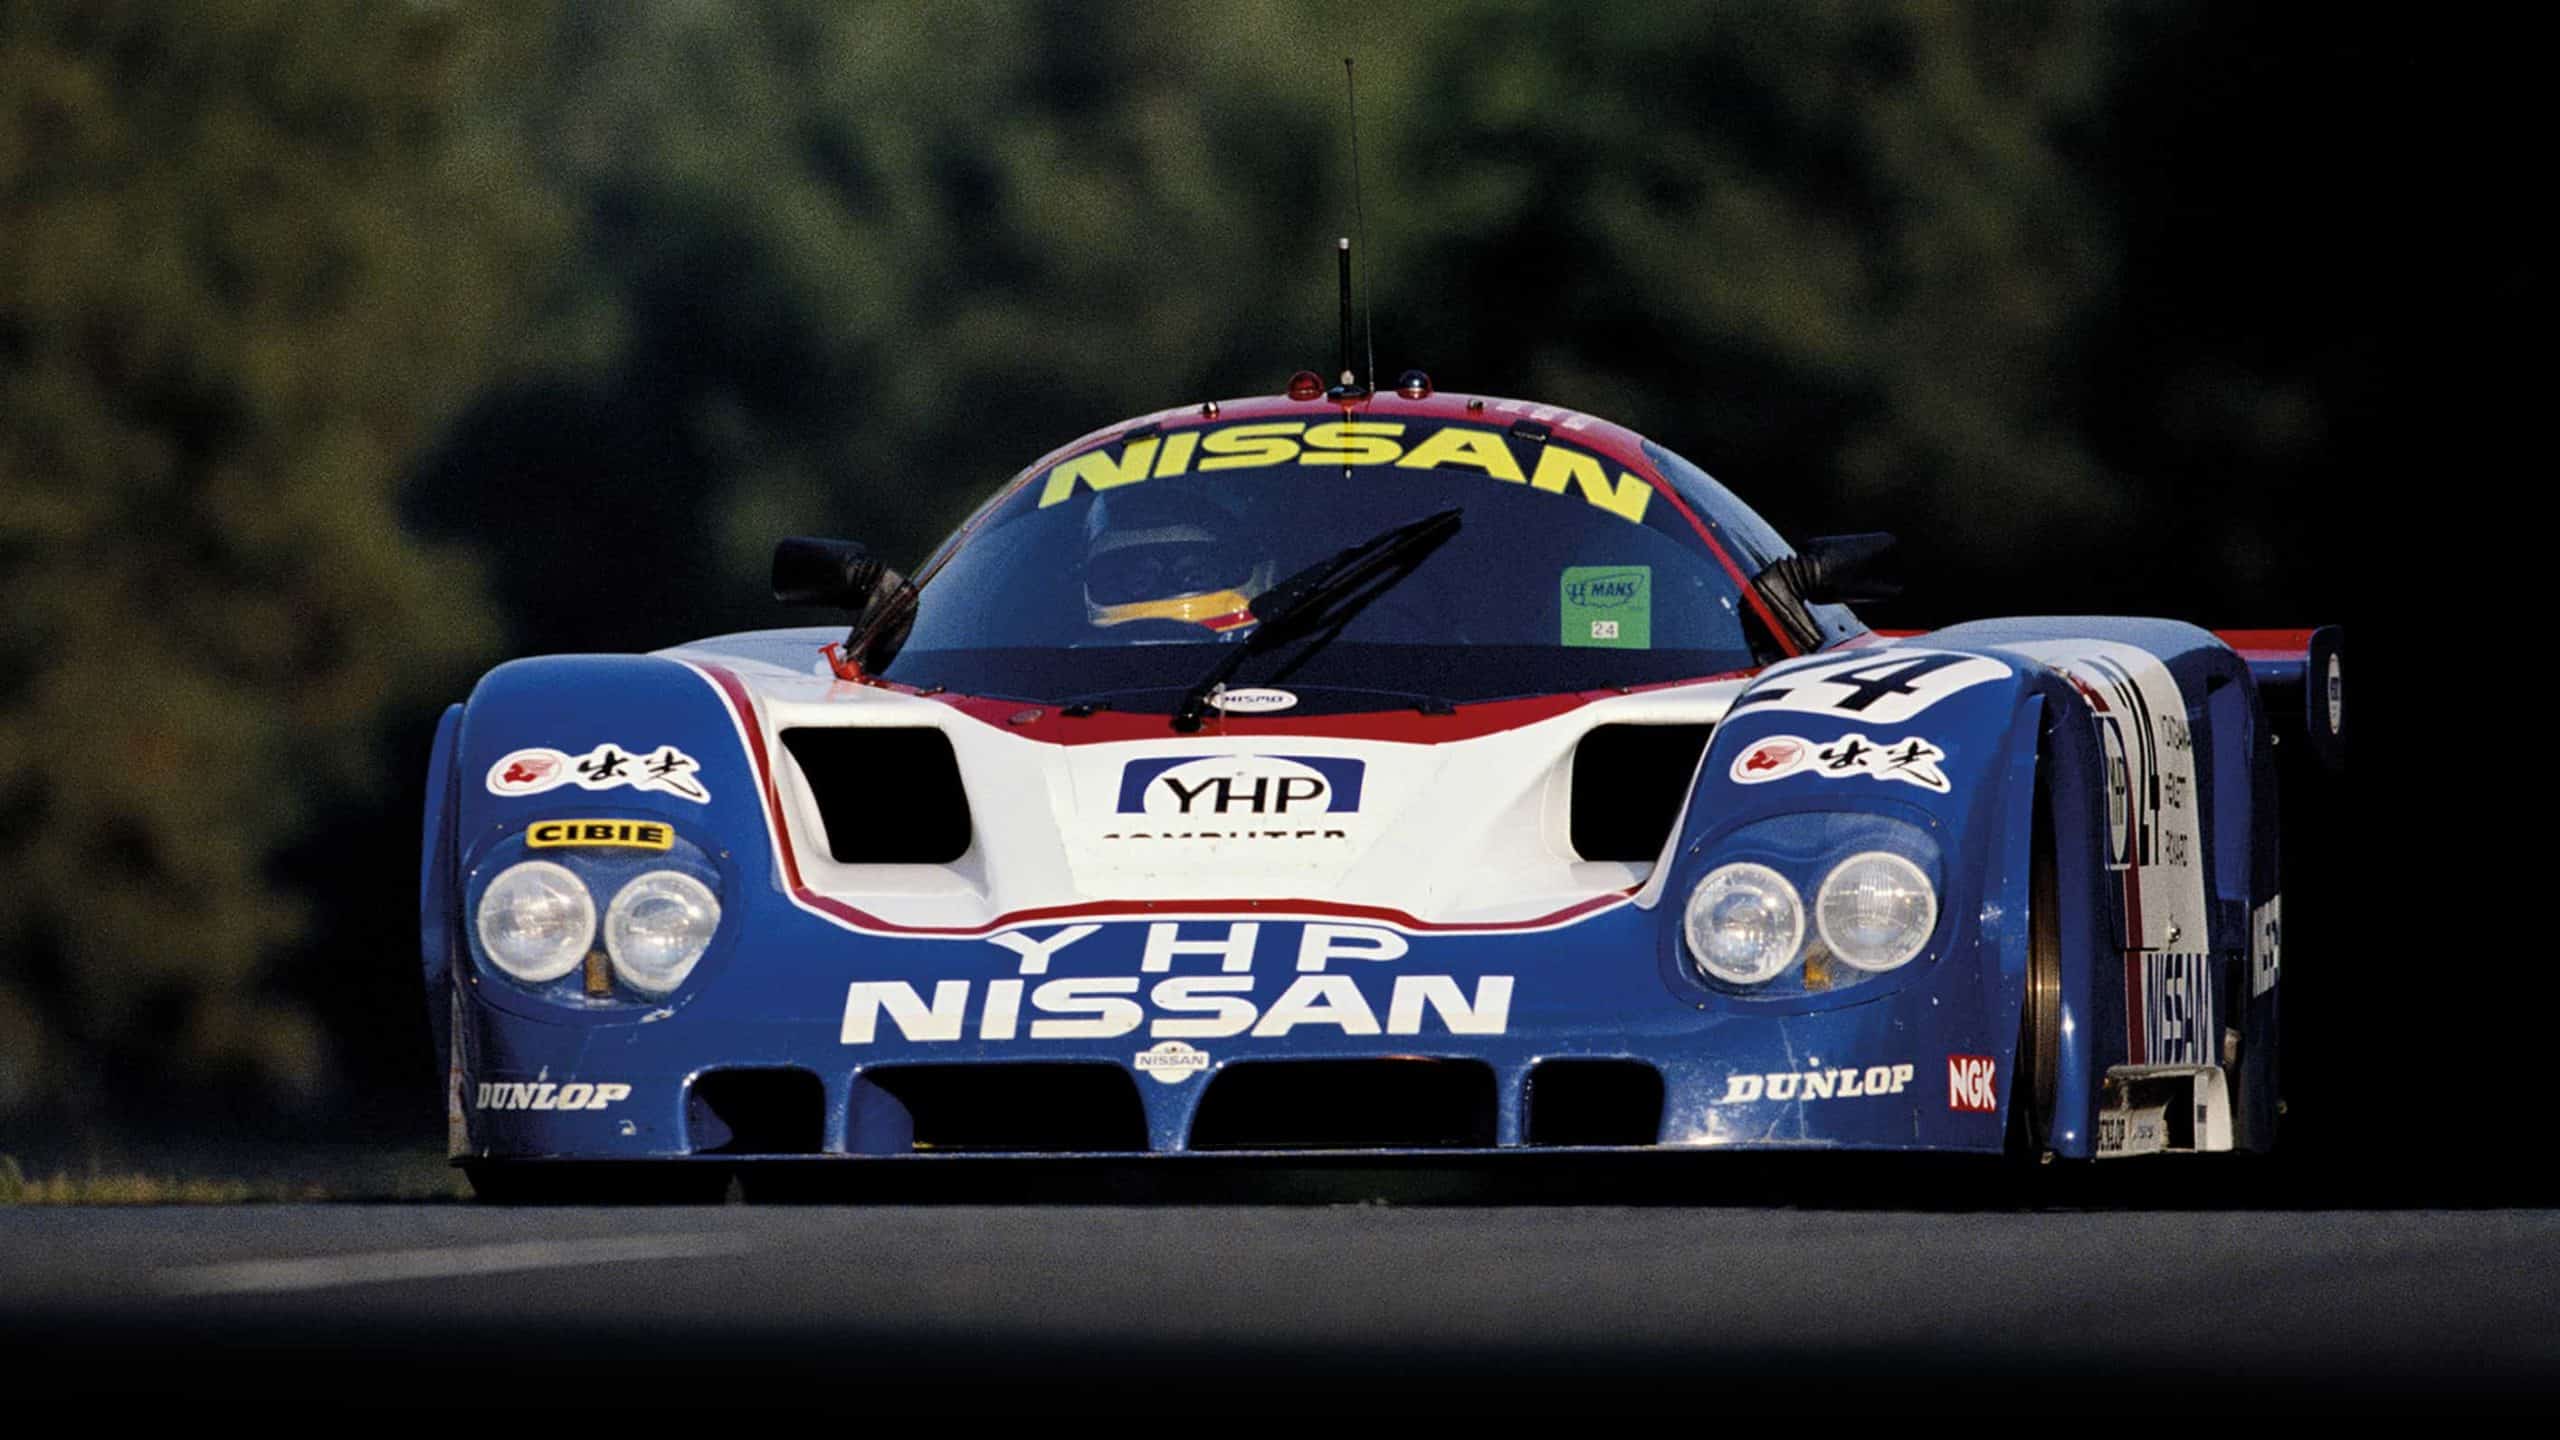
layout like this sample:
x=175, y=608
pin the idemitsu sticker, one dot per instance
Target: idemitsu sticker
x=1912, y=760
x=1773, y=758
x=606, y=767
x=528, y=772
x=1608, y=607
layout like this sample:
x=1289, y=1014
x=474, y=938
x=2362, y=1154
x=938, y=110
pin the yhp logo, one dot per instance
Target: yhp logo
x=1606, y=591
x=1274, y=785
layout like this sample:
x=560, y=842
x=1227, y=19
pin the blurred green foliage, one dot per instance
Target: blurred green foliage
x=844, y=271
x=254, y=255
x=349, y=347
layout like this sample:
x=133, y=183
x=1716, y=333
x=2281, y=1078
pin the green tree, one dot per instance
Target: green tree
x=253, y=254
x=847, y=267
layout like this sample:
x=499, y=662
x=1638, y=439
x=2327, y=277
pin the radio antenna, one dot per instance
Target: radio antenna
x=1347, y=382
x=1359, y=227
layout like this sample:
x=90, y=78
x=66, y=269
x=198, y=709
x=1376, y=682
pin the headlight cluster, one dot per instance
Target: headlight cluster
x=537, y=921
x=657, y=928
x=1876, y=910
x=1747, y=925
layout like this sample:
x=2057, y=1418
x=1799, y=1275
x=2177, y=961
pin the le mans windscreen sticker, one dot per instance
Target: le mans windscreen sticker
x=1608, y=607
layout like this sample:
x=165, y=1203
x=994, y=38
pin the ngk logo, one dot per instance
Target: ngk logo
x=1971, y=1083
x=1196, y=785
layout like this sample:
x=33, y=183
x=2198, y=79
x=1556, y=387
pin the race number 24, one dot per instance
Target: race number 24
x=1886, y=686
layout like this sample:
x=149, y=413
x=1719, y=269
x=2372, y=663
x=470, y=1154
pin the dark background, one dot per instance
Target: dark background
x=347, y=350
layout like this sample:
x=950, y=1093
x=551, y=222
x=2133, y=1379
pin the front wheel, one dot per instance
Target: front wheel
x=2035, y=1072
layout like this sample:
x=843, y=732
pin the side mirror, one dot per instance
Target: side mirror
x=835, y=573
x=843, y=575
x=1849, y=569
x=1828, y=570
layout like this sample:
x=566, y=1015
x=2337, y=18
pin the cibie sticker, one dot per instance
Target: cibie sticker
x=1171, y=1062
x=1882, y=687
x=606, y=767
x=1912, y=760
x=1607, y=607
x=1252, y=700
x=613, y=834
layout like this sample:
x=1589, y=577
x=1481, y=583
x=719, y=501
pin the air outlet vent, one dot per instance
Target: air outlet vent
x=755, y=1112
x=1629, y=782
x=1026, y=1108
x=1389, y=1104
x=886, y=796
x=1594, y=1102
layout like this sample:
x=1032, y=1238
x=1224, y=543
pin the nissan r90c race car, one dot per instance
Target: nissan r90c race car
x=1373, y=772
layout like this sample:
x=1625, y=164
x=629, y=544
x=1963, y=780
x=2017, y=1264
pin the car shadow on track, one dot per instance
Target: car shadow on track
x=1910, y=1183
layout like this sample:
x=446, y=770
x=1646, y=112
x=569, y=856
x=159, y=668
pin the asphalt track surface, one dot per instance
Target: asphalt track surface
x=1329, y=1303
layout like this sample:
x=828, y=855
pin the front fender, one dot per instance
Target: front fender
x=597, y=738
x=1962, y=741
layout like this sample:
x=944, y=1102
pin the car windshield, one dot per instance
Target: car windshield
x=1120, y=576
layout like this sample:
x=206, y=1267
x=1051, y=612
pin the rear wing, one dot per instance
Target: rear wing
x=2301, y=676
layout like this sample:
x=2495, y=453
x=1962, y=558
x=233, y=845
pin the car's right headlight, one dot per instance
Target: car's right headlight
x=657, y=928
x=1745, y=924
x=536, y=921
x=1875, y=910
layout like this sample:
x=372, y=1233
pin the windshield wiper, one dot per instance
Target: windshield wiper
x=1328, y=593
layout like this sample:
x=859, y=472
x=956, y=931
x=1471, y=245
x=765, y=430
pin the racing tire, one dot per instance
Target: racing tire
x=2036, y=1069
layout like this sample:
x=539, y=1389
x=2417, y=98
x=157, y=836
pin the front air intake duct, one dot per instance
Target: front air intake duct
x=1629, y=782
x=887, y=796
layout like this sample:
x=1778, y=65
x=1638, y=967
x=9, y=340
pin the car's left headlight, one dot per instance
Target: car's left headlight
x=1744, y=923
x=657, y=928
x=535, y=921
x=1875, y=910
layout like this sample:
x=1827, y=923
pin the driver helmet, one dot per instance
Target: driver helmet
x=1163, y=554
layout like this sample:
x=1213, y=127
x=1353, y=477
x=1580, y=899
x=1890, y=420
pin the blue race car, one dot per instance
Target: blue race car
x=1387, y=773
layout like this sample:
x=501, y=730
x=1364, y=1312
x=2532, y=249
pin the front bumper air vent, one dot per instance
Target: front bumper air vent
x=1390, y=1104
